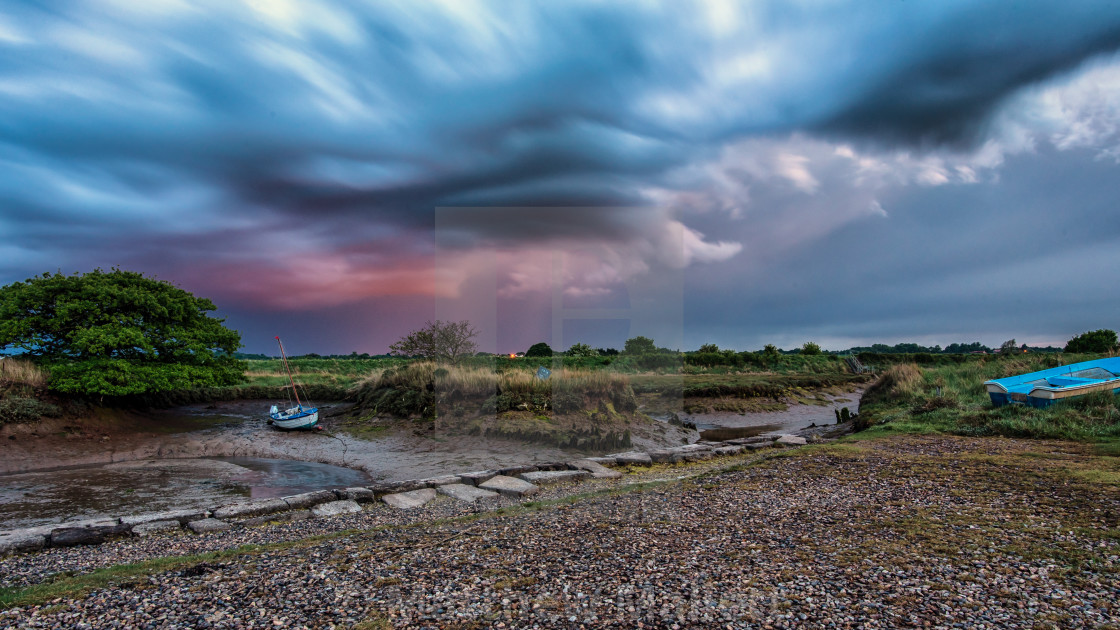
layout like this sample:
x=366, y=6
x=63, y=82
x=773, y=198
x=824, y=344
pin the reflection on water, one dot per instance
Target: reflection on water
x=726, y=426
x=111, y=490
x=267, y=478
x=719, y=434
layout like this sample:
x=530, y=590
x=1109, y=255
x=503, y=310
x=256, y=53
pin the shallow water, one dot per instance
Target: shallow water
x=111, y=490
x=726, y=426
x=714, y=433
x=268, y=478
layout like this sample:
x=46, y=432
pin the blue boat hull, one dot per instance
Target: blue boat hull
x=1044, y=388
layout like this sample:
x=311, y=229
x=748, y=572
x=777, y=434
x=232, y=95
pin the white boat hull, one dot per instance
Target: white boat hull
x=295, y=418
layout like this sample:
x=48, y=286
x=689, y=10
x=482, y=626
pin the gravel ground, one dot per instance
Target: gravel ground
x=910, y=532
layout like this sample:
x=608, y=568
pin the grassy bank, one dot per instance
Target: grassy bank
x=339, y=374
x=582, y=408
x=950, y=398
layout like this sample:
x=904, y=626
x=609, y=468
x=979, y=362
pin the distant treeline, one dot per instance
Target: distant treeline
x=745, y=356
x=246, y=356
x=953, y=348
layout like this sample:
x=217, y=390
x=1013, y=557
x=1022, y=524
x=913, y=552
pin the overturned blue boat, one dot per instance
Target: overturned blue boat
x=1046, y=387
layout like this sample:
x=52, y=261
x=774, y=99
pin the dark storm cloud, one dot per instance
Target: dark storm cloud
x=393, y=111
x=940, y=73
x=239, y=145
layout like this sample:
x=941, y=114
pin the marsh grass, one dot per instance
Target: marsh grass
x=22, y=373
x=423, y=389
x=472, y=381
x=743, y=384
x=951, y=398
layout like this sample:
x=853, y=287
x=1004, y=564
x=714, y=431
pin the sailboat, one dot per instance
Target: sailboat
x=294, y=417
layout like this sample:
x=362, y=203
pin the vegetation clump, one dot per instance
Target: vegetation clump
x=423, y=389
x=951, y=398
x=117, y=333
x=570, y=408
x=438, y=341
x=1098, y=341
x=21, y=409
x=541, y=349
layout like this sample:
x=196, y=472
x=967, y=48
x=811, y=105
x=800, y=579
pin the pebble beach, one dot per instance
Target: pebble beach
x=924, y=532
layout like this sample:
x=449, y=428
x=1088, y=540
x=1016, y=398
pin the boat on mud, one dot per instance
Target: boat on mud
x=295, y=417
x=1046, y=387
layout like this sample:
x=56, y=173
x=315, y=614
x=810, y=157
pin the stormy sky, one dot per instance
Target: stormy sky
x=740, y=173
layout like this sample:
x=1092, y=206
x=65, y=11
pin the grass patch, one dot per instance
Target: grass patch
x=79, y=585
x=22, y=373
x=428, y=390
x=950, y=398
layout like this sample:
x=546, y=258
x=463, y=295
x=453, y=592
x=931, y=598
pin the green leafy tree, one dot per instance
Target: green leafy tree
x=1009, y=347
x=581, y=350
x=708, y=348
x=118, y=333
x=810, y=348
x=541, y=349
x=438, y=340
x=771, y=351
x=1099, y=341
x=639, y=345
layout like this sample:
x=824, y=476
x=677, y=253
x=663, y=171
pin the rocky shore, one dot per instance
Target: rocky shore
x=908, y=532
x=483, y=485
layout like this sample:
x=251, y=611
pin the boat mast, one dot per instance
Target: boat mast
x=284, y=358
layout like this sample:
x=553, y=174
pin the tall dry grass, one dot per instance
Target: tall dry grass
x=898, y=382
x=471, y=382
x=22, y=372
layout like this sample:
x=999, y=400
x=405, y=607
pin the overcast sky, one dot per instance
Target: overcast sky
x=741, y=173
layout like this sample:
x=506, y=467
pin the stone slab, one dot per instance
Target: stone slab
x=361, y=495
x=410, y=499
x=180, y=516
x=544, y=477
x=758, y=446
x=478, y=476
x=464, y=492
x=790, y=440
x=509, y=486
x=750, y=440
x=513, y=471
x=251, y=508
x=154, y=527
x=89, y=522
x=731, y=449
x=693, y=452
x=280, y=517
x=665, y=456
x=22, y=540
x=334, y=508
x=73, y=536
x=207, y=525
x=633, y=458
x=309, y=499
x=597, y=470
x=442, y=480
x=605, y=460
x=551, y=466
x=395, y=487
